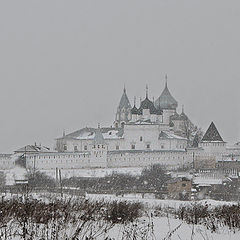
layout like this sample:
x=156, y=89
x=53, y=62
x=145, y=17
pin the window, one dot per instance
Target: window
x=75, y=148
x=162, y=147
x=65, y=147
x=184, y=184
x=148, y=146
x=117, y=147
x=133, y=146
x=85, y=147
x=141, y=138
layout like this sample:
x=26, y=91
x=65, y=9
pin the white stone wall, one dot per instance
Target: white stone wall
x=58, y=160
x=169, y=159
x=100, y=158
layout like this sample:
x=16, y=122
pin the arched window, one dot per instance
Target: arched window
x=141, y=138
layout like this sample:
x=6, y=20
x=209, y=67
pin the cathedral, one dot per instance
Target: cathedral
x=153, y=125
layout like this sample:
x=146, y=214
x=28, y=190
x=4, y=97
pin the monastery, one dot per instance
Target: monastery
x=151, y=133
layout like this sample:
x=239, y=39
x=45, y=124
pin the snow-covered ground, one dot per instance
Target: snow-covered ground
x=151, y=202
x=163, y=227
x=174, y=229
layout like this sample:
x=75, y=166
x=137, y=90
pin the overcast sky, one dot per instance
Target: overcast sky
x=63, y=64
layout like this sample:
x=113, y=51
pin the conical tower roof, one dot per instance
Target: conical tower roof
x=166, y=100
x=124, y=102
x=212, y=134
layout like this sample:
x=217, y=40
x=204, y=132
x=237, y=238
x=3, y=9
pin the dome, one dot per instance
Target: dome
x=166, y=100
x=147, y=104
x=134, y=110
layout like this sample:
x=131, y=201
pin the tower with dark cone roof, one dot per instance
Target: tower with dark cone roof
x=212, y=134
x=123, y=114
x=212, y=142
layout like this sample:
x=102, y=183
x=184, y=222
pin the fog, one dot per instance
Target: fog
x=63, y=64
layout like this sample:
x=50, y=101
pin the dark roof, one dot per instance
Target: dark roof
x=134, y=110
x=212, y=134
x=147, y=104
x=124, y=102
x=166, y=100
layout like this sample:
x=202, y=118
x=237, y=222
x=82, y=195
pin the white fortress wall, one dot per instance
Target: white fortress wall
x=100, y=158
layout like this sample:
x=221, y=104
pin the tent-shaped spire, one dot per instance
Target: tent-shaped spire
x=166, y=100
x=124, y=102
x=212, y=134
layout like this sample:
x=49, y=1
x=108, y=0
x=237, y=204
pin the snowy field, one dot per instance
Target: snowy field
x=159, y=226
x=169, y=227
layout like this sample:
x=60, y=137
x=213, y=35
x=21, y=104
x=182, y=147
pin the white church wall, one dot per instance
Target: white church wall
x=140, y=135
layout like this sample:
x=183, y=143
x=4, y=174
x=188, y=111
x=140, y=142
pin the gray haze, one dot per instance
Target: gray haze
x=63, y=64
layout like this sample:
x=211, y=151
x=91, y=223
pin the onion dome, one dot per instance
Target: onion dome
x=183, y=116
x=134, y=110
x=166, y=100
x=147, y=104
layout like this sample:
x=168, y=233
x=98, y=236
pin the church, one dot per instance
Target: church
x=151, y=126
